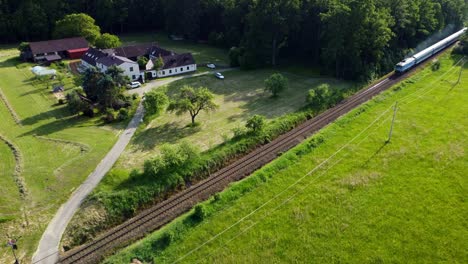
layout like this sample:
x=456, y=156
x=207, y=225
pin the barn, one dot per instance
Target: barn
x=54, y=50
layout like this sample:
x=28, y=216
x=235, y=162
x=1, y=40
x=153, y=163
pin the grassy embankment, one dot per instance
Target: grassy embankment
x=56, y=152
x=370, y=202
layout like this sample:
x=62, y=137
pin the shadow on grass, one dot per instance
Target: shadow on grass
x=11, y=62
x=55, y=113
x=58, y=125
x=165, y=133
x=366, y=163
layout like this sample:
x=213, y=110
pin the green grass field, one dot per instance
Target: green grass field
x=57, y=150
x=369, y=202
x=240, y=96
x=202, y=53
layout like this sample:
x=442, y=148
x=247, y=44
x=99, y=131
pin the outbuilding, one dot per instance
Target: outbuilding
x=53, y=50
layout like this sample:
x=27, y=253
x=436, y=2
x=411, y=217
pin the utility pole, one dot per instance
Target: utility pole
x=393, y=121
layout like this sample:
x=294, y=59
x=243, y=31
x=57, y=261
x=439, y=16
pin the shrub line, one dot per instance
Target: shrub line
x=10, y=109
x=19, y=180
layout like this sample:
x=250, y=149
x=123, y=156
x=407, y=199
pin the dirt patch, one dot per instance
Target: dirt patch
x=359, y=179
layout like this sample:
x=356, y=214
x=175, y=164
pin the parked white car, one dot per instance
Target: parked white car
x=134, y=85
x=219, y=76
x=211, y=66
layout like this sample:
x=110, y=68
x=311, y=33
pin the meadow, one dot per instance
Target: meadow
x=46, y=153
x=240, y=96
x=347, y=194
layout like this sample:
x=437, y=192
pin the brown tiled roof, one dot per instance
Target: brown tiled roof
x=178, y=60
x=134, y=51
x=58, y=45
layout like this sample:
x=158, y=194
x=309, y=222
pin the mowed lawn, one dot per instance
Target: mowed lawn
x=371, y=202
x=57, y=151
x=202, y=53
x=240, y=96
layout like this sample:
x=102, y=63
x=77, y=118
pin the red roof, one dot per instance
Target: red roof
x=77, y=50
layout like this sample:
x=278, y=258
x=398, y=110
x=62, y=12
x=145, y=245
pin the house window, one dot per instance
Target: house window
x=181, y=69
x=188, y=68
x=164, y=72
x=131, y=69
x=170, y=71
x=133, y=77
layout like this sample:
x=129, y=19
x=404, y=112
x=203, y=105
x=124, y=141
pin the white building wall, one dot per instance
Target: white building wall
x=175, y=71
x=131, y=70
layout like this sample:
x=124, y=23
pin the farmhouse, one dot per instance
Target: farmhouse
x=54, y=50
x=173, y=64
x=103, y=59
x=126, y=57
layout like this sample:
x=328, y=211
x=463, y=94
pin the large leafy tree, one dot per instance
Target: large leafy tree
x=269, y=24
x=75, y=25
x=107, y=41
x=104, y=89
x=193, y=101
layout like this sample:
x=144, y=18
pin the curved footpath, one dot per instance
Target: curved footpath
x=48, y=249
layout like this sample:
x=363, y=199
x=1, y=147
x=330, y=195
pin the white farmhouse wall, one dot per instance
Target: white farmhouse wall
x=176, y=71
x=131, y=70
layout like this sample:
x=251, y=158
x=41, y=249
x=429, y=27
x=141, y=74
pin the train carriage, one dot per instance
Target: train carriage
x=423, y=55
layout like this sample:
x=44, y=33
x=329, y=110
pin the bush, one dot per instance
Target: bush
x=435, y=65
x=109, y=115
x=200, y=212
x=123, y=114
x=256, y=123
x=75, y=104
x=61, y=101
x=89, y=112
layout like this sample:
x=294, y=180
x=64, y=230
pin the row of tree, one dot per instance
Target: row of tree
x=351, y=38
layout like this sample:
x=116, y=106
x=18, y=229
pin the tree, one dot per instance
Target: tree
x=319, y=97
x=154, y=102
x=269, y=24
x=276, y=83
x=116, y=74
x=74, y=103
x=193, y=101
x=158, y=63
x=234, y=56
x=104, y=88
x=23, y=46
x=256, y=123
x=107, y=41
x=142, y=61
x=75, y=25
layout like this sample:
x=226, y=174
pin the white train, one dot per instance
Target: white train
x=421, y=56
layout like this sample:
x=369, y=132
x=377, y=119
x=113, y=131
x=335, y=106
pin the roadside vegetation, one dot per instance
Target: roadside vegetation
x=48, y=149
x=372, y=201
x=170, y=153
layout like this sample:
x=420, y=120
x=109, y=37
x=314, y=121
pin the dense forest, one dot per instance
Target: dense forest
x=350, y=38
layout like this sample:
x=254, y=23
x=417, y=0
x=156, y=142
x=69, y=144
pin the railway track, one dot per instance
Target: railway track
x=164, y=212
